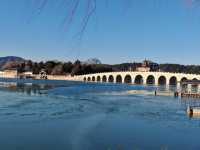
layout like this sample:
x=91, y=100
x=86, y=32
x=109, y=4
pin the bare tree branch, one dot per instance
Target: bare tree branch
x=91, y=6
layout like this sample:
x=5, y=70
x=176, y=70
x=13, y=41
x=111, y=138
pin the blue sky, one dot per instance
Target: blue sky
x=160, y=30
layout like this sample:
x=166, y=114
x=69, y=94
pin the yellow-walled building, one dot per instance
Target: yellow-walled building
x=9, y=74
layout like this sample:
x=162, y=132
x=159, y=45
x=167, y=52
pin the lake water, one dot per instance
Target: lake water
x=61, y=115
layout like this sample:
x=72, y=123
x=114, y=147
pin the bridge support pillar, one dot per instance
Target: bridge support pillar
x=189, y=87
x=167, y=82
x=156, y=81
x=167, y=87
x=114, y=81
x=144, y=81
x=178, y=86
x=198, y=90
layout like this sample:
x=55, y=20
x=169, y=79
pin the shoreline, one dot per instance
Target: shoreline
x=49, y=78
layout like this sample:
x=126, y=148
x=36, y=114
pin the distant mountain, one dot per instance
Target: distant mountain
x=9, y=59
x=92, y=61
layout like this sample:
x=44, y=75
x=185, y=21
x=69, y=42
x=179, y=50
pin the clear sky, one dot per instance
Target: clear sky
x=160, y=30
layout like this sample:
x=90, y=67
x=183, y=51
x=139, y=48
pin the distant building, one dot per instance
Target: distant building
x=143, y=69
x=147, y=66
x=152, y=65
x=12, y=73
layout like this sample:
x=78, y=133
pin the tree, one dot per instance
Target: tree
x=35, y=68
x=77, y=68
x=49, y=65
x=57, y=70
x=28, y=66
x=67, y=67
x=73, y=9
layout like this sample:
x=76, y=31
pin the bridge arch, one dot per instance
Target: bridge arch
x=162, y=80
x=98, y=79
x=173, y=81
x=158, y=78
x=88, y=79
x=93, y=78
x=138, y=79
x=104, y=78
x=111, y=79
x=183, y=86
x=183, y=79
x=195, y=86
x=85, y=79
x=128, y=79
x=119, y=79
x=150, y=80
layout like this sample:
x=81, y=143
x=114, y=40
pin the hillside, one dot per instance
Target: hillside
x=5, y=61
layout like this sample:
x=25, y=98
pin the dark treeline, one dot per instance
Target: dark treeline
x=79, y=68
x=193, y=69
x=59, y=68
x=76, y=68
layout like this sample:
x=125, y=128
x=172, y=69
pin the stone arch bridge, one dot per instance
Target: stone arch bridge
x=146, y=78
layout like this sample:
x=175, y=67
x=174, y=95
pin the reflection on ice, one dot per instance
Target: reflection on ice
x=28, y=88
